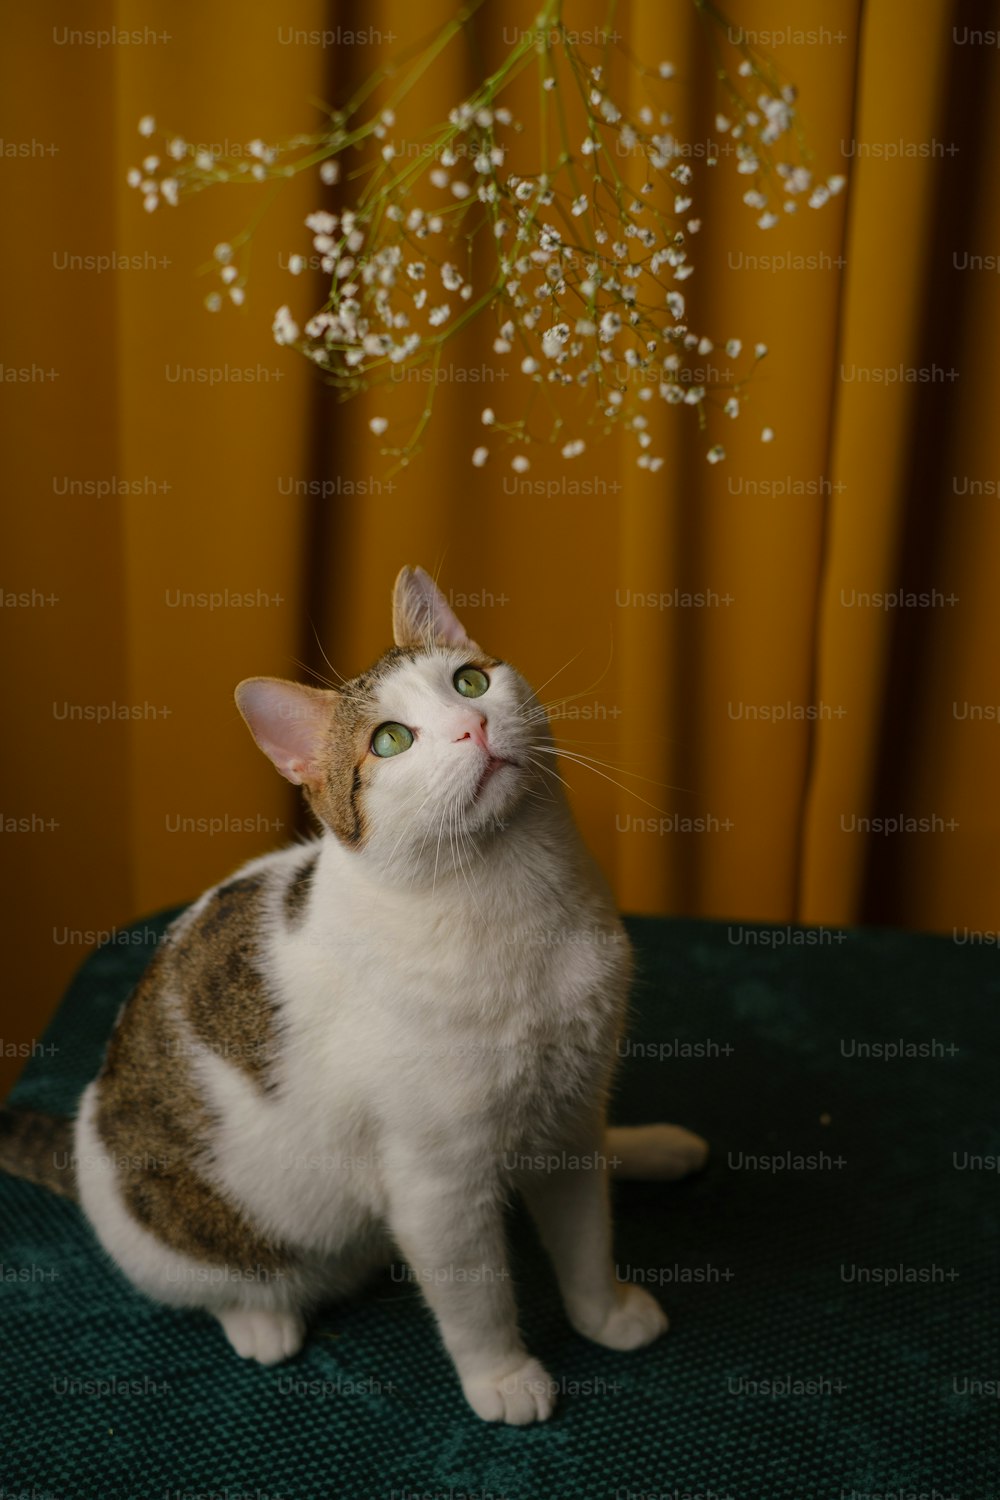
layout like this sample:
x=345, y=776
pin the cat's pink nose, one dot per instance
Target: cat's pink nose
x=471, y=726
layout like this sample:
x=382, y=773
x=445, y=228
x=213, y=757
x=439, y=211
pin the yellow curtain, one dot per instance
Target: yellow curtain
x=153, y=450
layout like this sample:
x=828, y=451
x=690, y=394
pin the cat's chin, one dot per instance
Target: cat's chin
x=495, y=766
x=496, y=794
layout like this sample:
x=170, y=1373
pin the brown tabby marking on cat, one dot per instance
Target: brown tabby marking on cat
x=338, y=799
x=296, y=896
x=214, y=968
x=38, y=1148
x=151, y=1117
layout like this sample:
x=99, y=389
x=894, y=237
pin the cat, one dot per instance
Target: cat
x=362, y=1046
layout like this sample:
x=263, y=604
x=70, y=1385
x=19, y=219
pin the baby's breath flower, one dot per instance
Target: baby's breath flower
x=284, y=327
x=767, y=436
x=716, y=455
x=577, y=314
x=554, y=338
x=520, y=464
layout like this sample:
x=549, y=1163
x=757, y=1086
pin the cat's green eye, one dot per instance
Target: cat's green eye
x=391, y=739
x=470, y=682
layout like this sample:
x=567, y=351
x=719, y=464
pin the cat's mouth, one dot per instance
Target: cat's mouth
x=493, y=766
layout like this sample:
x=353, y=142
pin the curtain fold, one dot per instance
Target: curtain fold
x=741, y=736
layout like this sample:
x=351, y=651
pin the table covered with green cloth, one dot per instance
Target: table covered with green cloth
x=831, y=1278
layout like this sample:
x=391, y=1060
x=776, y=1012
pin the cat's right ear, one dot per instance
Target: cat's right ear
x=289, y=723
x=421, y=615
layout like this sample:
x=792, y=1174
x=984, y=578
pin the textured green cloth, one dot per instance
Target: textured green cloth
x=873, y=1385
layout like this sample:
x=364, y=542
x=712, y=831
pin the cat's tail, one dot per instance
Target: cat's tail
x=38, y=1148
x=654, y=1152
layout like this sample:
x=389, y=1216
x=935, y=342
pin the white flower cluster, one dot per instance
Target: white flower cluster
x=580, y=265
x=580, y=287
x=190, y=168
x=760, y=123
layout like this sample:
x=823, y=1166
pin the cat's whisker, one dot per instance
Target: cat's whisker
x=423, y=841
x=456, y=849
x=402, y=836
x=472, y=846
x=333, y=669
x=543, y=710
x=303, y=666
x=593, y=761
x=571, y=696
x=558, y=672
x=548, y=770
x=588, y=765
x=437, y=854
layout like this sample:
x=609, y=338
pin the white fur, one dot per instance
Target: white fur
x=448, y=1013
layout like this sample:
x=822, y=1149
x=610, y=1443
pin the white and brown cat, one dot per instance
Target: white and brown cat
x=363, y=1046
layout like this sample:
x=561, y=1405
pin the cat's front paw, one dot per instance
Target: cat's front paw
x=517, y=1397
x=268, y=1337
x=634, y=1320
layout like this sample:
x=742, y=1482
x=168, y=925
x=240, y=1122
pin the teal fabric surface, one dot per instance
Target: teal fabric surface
x=831, y=1278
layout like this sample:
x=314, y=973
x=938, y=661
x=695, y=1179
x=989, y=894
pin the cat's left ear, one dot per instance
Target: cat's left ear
x=290, y=724
x=422, y=616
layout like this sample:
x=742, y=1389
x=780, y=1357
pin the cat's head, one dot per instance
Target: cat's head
x=434, y=742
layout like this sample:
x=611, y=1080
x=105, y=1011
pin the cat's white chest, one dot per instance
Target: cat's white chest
x=457, y=1011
